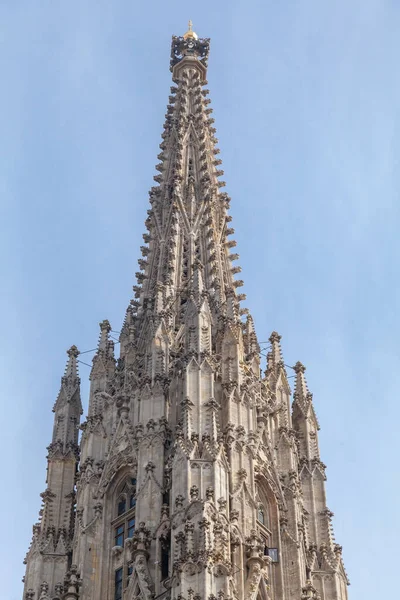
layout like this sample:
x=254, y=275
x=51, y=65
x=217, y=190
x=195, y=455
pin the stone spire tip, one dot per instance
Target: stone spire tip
x=105, y=329
x=274, y=356
x=71, y=374
x=73, y=352
x=275, y=337
x=301, y=391
x=299, y=367
x=105, y=325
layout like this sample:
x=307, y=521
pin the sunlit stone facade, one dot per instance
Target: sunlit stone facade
x=197, y=476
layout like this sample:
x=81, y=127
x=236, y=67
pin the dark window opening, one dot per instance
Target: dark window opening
x=119, y=535
x=131, y=527
x=132, y=501
x=165, y=561
x=118, y=584
x=121, y=506
x=130, y=571
x=165, y=498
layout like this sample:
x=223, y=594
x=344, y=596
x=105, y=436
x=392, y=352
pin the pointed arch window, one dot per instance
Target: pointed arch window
x=123, y=526
x=127, y=497
x=165, y=556
x=264, y=525
x=124, y=522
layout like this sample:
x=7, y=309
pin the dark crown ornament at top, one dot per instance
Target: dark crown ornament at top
x=189, y=45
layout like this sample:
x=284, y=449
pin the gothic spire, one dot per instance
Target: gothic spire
x=188, y=223
x=105, y=329
x=102, y=369
x=105, y=349
x=192, y=482
x=302, y=396
x=70, y=382
x=323, y=555
x=71, y=370
x=300, y=388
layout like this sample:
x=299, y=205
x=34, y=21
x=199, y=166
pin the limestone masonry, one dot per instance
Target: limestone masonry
x=196, y=476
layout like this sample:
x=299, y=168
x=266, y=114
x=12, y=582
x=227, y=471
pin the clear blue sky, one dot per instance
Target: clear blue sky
x=306, y=98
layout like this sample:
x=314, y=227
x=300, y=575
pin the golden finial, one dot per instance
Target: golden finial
x=190, y=33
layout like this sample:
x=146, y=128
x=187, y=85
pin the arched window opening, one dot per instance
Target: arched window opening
x=264, y=524
x=124, y=528
x=165, y=557
x=124, y=524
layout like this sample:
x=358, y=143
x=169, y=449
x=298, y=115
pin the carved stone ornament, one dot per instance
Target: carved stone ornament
x=309, y=592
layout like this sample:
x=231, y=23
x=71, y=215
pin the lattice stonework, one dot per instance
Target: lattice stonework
x=194, y=478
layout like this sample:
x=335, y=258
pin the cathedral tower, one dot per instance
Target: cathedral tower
x=198, y=478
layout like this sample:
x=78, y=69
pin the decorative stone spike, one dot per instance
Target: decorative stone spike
x=302, y=396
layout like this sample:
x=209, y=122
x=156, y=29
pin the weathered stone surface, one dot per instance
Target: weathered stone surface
x=196, y=479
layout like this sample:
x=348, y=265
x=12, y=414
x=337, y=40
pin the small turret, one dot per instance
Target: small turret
x=274, y=356
x=277, y=382
x=304, y=417
x=302, y=396
x=324, y=555
x=102, y=370
x=104, y=359
x=251, y=345
x=68, y=406
x=47, y=558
